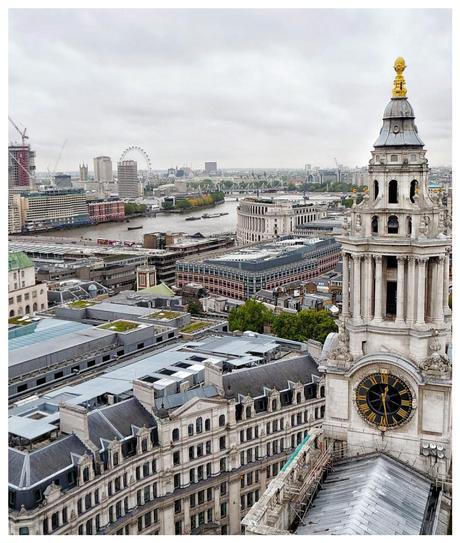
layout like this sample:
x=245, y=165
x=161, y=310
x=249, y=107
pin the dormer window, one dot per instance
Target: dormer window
x=116, y=457
x=248, y=412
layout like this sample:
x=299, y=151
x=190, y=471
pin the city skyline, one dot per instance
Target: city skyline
x=273, y=90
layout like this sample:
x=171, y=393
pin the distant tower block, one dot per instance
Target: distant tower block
x=146, y=277
x=210, y=167
x=83, y=172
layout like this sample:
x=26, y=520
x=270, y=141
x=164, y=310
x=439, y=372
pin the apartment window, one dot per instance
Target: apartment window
x=192, y=475
x=242, y=458
x=269, y=428
x=148, y=518
x=200, y=473
x=11, y=301
x=199, y=425
x=241, y=436
x=222, y=420
x=207, y=425
x=154, y=466
x=138, y=473
x=223, y=489
x=26, y=296
x=222, y=443
x=178, y=527
x=199, y=450
x=175, y=434
x=223, y=510
x=145, y=470
x=208, y=447
x=209, y=515
x=190, y=429
x=224, y=530
x=193, y=500
x=223, y=464
x=80, y=506
x=191, y=453
x=200, y=497
x=201, y=518
x=177, y=506
x=208, y=469
x=147, y=494
x=248, y=412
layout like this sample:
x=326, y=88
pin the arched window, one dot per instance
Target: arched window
x=86, y=474
x=190, y=429
x=27, y=308
x=12, y=313
x=393, y=224
x=115, y=459
x=409, y=226
x=144, y=445
x=376, y=189
x=248, y=412
x=222, y=420
x=322, y=392
x=375, y=225
x=393, y=192
x=175, y=434
x=413, y=190
x=273, y=405
x=299, y=397
x=207, y=425
x=34, y=307
x=199, y=425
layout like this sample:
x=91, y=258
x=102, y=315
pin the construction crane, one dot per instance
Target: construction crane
x=21, y=132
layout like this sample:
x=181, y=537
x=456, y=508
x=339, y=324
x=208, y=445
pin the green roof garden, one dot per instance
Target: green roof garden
x=195, y=327
x=165, y=314
x=80, y=304
x=120, y=326
x=19, y=321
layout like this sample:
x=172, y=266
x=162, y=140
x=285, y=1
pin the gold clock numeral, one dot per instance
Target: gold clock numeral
x=361, y=397
x=372, y=417
x=384, y=378
x=401, y=412
x=406, y=403
x=373, y=380
x=403, y=391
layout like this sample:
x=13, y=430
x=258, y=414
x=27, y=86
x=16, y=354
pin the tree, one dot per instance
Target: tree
x=285, y=325
x=195, y=307
x=305, y=325
x=252, y=315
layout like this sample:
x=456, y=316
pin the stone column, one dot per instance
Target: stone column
x=421, y=285
x=357, y=288
x=400, y=291
x=368, y=287
x=410, y=317
x=345, y=285
x=446, y=308
x=378, y=289
x=439, y=289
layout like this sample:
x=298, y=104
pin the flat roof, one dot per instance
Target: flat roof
x=28, y=428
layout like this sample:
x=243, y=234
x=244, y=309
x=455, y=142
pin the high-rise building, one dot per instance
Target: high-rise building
x=210, y=167
x=128, y=183
x=84, y=172
x=102, y=169
x=21, y=165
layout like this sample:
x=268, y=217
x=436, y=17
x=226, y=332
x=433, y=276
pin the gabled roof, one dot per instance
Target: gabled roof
x=160, y=290
x=373, y=495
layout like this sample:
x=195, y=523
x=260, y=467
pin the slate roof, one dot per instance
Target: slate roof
x=117, y=421
x=373, y=495
x=251, y=381
x=43, y=463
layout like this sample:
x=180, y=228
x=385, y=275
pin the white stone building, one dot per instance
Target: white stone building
x=25, y=296
x=263, y=219
x=396, y=318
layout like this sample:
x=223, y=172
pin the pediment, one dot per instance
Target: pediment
x=199, y=406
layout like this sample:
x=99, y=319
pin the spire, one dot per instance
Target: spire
x=399, y=85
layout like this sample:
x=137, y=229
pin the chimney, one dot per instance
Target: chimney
x=145, y=393
x=74, y=418
x=213, y=375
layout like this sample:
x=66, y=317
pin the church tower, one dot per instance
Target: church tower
x=388, y=376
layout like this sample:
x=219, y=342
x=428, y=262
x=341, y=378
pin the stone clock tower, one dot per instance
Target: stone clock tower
x=388, y=376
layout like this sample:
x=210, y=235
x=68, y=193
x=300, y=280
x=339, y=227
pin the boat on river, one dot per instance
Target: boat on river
x=210, y=215
x=135, y=227
x=193, y=218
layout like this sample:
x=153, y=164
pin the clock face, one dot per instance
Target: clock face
x=384, y=400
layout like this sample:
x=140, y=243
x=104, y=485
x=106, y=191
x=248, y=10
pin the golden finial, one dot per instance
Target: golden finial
x=399, y=86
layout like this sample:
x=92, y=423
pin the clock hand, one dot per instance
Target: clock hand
x=384, y=401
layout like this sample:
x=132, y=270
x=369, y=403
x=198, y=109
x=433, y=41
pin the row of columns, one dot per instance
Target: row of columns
x=365, y=290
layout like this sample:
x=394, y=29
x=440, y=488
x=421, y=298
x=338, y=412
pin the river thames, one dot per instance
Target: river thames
x=171, y=222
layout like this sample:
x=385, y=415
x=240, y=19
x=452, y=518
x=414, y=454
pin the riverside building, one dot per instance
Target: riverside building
x=186, y=447
x=262, y=219
x=241, y=273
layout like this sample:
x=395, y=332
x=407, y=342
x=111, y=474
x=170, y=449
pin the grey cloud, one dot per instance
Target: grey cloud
x=248, y=88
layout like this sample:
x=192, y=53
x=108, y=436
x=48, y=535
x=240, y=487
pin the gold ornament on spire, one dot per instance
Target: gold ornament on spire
x=399, y=85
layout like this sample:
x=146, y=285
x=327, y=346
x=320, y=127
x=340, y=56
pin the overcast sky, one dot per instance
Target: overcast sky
x=246, y=88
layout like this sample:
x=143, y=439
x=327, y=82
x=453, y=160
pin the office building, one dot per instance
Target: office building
x=128, y=183
x=263, y=219
x=182, y=441
x=106, y=211
x=239, y=274
x=84, y=172
x=54, y=208
x=102, y=169
x=63, y=181
x=25, y=294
